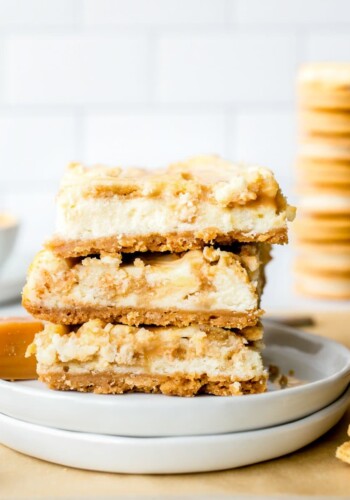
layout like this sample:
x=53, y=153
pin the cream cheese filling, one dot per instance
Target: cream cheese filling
x=191, y=282
x=243, y=366
x=89, y=218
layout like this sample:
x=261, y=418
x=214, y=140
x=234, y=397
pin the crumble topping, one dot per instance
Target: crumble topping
x=202, y=177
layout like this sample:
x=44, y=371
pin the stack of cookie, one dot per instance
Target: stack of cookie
x=153, y=280
x=323, y=166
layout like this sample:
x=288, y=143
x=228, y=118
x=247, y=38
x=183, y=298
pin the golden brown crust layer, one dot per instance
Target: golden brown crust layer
x=172, y=242
x=172, y=385
x=138, y=316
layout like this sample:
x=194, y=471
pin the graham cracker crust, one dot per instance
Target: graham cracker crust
x=171, y=385
x=171, y=242
x=142, y=316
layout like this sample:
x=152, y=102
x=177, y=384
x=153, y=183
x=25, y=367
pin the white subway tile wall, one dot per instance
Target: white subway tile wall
x=149, y=81
x=152, y=138
x=274, y=141
x=33, y=147
x=38, y=13
x=76, y=69
x=328, y=46
x=154, y=12
x=308, y=13
x=226, y=68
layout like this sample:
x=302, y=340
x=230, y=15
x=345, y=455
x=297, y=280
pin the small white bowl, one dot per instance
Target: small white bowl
x=8, y=232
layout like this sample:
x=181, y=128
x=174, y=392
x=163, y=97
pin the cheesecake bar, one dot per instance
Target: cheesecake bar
x=110, y=358
x=208, y=286
x=204, y=200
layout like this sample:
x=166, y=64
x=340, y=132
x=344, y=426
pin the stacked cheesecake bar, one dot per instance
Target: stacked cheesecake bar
x=323, y=167
x=153, y=279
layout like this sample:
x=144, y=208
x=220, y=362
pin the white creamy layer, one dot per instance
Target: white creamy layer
x=243, y=366
x=89, y=218
x=147, y=352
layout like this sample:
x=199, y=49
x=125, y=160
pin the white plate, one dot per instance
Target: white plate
x=167, y=455
x=324, y=366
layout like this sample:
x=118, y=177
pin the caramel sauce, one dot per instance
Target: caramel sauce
x=15, y=336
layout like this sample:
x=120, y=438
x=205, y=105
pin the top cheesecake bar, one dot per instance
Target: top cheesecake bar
x=190, y=204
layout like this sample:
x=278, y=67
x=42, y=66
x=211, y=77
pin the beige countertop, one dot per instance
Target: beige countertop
x=313, y=470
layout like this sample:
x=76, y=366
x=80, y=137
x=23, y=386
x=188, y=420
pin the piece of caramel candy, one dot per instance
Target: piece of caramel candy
x=15, y=336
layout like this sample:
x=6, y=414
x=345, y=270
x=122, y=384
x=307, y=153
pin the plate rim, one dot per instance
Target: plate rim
x=338, y=403
x=188, y=454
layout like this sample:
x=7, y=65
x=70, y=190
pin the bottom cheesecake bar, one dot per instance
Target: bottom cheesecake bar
x=110, y=358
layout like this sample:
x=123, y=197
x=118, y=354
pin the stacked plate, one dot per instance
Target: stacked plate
x=156, y=434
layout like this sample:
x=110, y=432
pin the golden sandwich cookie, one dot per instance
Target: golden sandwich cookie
x=323, y=172
x=322, y=285
x=324, y=200
x=324, y=86
x=311, y=227
x=325, y=147
x=324, y=122
x=329, y=257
